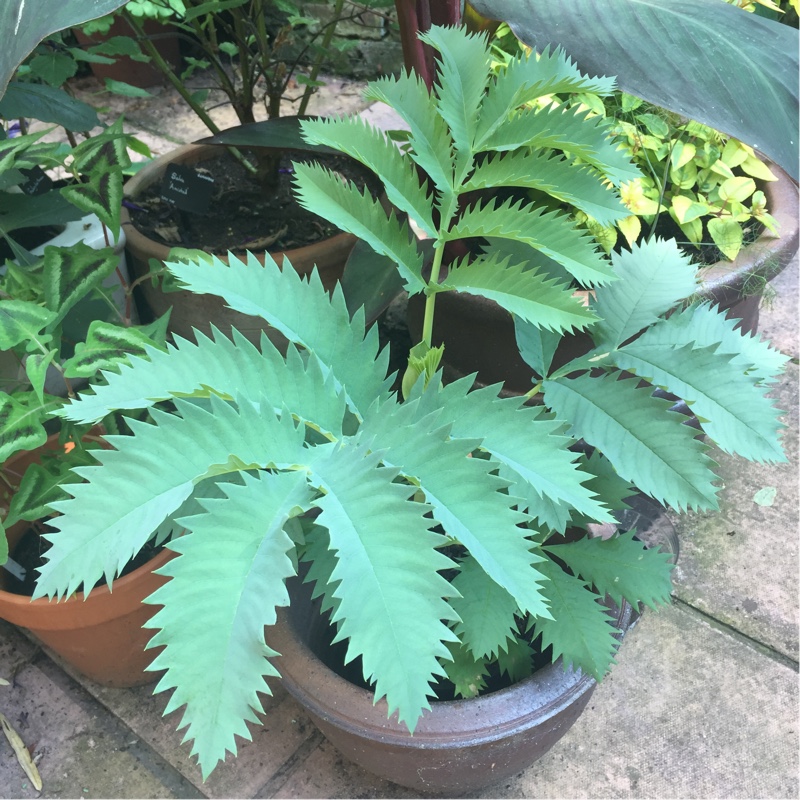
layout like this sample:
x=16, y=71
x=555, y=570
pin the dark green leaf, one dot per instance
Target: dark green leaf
x=47, y=104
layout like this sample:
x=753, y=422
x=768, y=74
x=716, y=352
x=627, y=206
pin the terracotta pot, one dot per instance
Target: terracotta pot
x=459, y=746
x=200, y=311
x=100, y=635
x=479, y=335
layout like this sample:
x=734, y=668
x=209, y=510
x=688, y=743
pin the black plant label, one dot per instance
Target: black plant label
x=187, y=189
x=36, y=181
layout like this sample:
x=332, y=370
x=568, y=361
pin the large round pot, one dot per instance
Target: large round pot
x=100, y=635
x=191, y=310
x=459, y=746
x=479, y=334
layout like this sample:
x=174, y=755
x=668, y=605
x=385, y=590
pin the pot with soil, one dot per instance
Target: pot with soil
x=100, y=635
x=459, y=746
x=479, y=335
x=242, y=217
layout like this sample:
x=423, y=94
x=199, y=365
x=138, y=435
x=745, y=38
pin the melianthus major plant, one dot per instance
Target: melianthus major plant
x=448, y=480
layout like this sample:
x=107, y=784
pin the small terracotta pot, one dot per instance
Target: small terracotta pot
x=100, y=635
x=479, y=334
x=191, y=310
x=459, y=746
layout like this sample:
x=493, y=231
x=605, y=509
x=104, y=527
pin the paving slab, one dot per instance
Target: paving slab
x=779, y=313
x=741, y=565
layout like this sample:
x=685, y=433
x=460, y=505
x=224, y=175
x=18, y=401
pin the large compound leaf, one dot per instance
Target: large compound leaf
x=221, y=366
x=528, y=78
x=391, y=594
x=654, y=277
x=548, y=172
x=464, y=495
x=581, y=631
x=621, y=567
x=535, y=298
x=323, y=192
x=303, y=312
x=553, y=233
x=734, y=71
x=372, y=147
x=26, y=23
x=224, y=589
x=148, y=476
x=645, y=441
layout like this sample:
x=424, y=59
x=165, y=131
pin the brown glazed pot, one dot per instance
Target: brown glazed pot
x=479, y=334
x=100, y=635
x=459, y=746
x=191, y=310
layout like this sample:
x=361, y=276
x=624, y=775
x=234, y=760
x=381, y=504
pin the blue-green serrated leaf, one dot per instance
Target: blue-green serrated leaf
x=304, y=313
x=224, y=588
x=645, y=441
x=654, y=277
x=536, y=345
x=105, y=346
x=515, y=660
x=22, y=321
x=391, y=594
x=605, y=482
x=530, y=77
x=220, y=366
x=548, y=172
x=705, y=325
x=70, y=273
x=620, y=567
x=731, y=408
x=581, y=632
x=551, y=232
x=486, y=611
x=483, y=520
x=21, y=426
x=465, y=672
x=522, y=439
x=463, y=72
x=325, y=193
x=537, y=299
x=321, y=562
x=148, y=476
x=431, y=145
x=373, y=148
x=570, y=130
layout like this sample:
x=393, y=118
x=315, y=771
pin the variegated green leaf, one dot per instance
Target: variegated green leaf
x=21, y=426
x=105, y=346
x=36, y=366
x=646, y=442
x=326, y=194
x=224, y=588
x=22, y=321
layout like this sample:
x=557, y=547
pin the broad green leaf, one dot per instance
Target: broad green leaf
x=46, y=104
x=36, y=365
x=749, y=64
x=391, y=594
x=737, y=189
x=417, y=444
x=325, y=193
x=572, y=131
x=372, y=147
x=731, y=408
x=224, y=588
x=653, y=278
x=71, y=273
x=148, y=476
x=486, y=610
x=52, y=67
x=581, y=632
x=620, y=567
x=105, y=346
x=727, y=234
x=647, y=443
x=21, y=427
x=553, y=233
x=528, y=78
x=543, y=302
x=29, y=211
x=22, y=321
x=545, y=171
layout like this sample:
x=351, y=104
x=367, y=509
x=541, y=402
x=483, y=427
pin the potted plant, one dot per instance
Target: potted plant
x=441, y=533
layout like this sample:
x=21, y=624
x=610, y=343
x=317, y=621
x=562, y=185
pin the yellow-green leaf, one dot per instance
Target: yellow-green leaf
x=727, y=235
x=756, y=168
x=737, y=189
x=682, y=154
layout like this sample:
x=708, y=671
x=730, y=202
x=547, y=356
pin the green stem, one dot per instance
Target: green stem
x=329, y=31
x=430, y=300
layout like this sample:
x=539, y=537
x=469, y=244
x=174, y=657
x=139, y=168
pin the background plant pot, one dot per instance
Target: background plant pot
x=100, y=635
x=137, y=73
x=459, y=746
x=200, y=311
x=479, y=335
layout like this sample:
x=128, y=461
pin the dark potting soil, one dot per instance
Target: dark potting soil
x=29, y=554
x=242, y=215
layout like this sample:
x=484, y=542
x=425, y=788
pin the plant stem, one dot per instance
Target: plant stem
x=430, y=300
x=326, y=41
